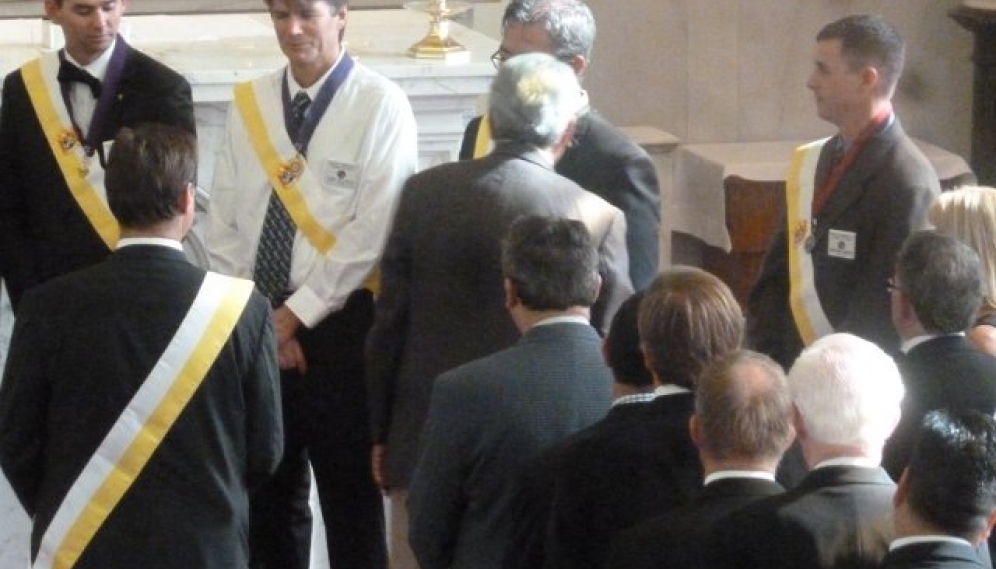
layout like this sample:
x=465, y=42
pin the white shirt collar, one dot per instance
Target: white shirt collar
x=727, y=474
x=914, y=539
x=670, y=389
x=862, y=461
x=97, y=67
x=634, y=398
x=562, y=319
x=915, y=341
x=293, y=87
x=161, y=241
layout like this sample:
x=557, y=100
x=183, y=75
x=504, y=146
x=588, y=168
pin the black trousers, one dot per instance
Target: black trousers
x=325, y=422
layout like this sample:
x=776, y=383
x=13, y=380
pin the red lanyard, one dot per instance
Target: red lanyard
x=842, y=165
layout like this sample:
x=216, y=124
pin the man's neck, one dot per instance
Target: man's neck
x=851, y=128
x=529, y=318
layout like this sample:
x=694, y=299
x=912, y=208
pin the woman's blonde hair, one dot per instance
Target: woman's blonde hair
x=969, y=213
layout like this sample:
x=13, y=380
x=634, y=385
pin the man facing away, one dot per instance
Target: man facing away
x=306, y=182
x=741, y=427
x=599, y=157
x=936, y=293
x=945, y=504
x=140, y=404
x=851, y=201
x=441, y=302
x=632, y=391
x=59, y=114
x=846, y=392
x=488, y=417
x=626, y=469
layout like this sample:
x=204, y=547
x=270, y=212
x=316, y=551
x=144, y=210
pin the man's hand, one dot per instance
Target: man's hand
x=377, y=456
x=285, y=324
x=291, y=356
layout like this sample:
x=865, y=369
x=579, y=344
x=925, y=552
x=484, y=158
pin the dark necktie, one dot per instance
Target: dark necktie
x=299, y=107
x=69, y=73
x=276, y=241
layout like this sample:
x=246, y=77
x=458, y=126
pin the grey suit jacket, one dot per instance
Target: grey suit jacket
x=83, y=344
x=880, y=200
x=933, y=555
x=442, y=303
x=838, y=517
x=487, y=419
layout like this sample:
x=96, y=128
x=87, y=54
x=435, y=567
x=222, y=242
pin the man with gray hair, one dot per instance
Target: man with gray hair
x=935, y=294
x=599, y=158
x=441, y=303
x=847, y=393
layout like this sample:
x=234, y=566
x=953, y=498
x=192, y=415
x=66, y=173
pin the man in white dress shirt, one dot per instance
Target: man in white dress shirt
x=305, y=186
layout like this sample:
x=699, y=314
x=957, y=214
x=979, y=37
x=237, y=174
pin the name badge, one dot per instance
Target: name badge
x=841, y=244
x=341, y=175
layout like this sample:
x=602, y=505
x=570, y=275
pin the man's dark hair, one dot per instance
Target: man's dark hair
x=622, y=345
x=335, y=4
x=148, y=169
x=952, y=472
x=869, y=40
x=942, y=277
x=688, y=318
x=744, y=407
x=552, y=262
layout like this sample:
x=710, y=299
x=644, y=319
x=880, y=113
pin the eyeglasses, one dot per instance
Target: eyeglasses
x=891, y=286
x=499, y=56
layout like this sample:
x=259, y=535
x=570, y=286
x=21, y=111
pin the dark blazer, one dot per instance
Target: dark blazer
x=881, y=199
x=933, y=555
x=487, y=419
x=442, y=301
x=623, y=470
x=82, y=346
x=945, y=372
x=43, y=232
x=607, y=163
x=838, y=517
x=680, y=538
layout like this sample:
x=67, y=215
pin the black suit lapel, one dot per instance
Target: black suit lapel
x=852, y=184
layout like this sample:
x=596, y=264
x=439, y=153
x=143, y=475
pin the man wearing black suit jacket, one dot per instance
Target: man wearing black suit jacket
x=58, y=114
x=846, y=393
x=488, y=417
x=741, y=427
x=945, y=504
x=632, y=466
x=935, y=294
x=600, y=159
x=140, y=404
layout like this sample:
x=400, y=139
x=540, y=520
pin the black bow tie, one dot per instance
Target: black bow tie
x=69, y=73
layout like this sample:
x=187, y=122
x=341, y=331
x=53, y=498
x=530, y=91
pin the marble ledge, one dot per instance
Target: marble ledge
x=215, y=51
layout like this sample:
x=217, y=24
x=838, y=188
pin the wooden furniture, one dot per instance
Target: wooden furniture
x=982, y=23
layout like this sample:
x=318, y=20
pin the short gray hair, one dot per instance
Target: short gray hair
x=533, y=99
x=568, y=23
x=848, y=392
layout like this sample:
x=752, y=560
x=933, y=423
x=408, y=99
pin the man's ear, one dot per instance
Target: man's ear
x=695, y=431
x=579, y=64
x=511, y=294
x=902, y=490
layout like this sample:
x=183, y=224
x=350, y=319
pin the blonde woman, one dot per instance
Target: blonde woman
x=969, y=213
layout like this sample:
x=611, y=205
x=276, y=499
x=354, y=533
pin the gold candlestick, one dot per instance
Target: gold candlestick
x=437, y=44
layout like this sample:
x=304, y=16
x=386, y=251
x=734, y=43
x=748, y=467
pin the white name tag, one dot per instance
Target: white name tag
x=340, y=174
x=841, y=244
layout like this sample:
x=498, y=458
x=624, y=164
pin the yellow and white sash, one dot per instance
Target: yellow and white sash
x=810, y=321
x=145, y=422
x=285, y=167
x=483, y=144
x=84, y=176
